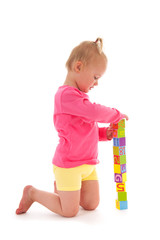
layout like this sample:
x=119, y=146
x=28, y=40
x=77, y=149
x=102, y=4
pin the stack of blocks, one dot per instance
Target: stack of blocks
x=119, y=152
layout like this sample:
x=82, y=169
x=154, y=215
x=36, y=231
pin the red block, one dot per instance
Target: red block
x=116, y=159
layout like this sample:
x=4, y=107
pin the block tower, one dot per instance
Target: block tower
x=120, y=175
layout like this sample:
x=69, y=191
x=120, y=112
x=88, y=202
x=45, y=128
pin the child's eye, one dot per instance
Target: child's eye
x=96, y=78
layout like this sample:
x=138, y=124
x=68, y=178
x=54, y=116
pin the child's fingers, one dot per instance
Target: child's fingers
x=126, y=117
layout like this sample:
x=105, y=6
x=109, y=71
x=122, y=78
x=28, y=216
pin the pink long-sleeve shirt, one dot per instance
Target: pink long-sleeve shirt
x=75, y=119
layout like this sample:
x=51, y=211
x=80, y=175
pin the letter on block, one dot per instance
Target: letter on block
x=120, y=187
x=122, y=150
x=118, y=178
x=121, y=124
x=115, y=133
x=123, y=168
x=121, y=133
x=116, y=159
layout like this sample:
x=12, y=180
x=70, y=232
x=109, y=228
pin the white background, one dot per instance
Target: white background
x=36, y=38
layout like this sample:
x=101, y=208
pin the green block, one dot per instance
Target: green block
x=122, y=196
x=121, y=133
x=122, y=159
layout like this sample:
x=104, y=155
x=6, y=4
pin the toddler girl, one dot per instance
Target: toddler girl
x=75, y=119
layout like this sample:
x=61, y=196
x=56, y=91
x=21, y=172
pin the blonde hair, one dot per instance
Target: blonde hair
x=86, y=52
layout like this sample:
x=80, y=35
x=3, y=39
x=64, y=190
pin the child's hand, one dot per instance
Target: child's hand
x=126, y=117
x=110, y=132
x=110, y=129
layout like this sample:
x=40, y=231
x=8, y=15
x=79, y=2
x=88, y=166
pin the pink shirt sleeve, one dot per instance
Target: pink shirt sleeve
x=103, y=134
x=78, y=104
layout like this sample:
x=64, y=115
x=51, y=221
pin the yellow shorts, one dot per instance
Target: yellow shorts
x=69, y=179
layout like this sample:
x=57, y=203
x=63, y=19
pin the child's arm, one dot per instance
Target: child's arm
x=76, y=104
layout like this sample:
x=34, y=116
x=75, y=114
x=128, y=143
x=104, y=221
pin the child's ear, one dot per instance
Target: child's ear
x=78, y=66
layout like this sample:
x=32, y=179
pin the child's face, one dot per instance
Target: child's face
x=90, y=74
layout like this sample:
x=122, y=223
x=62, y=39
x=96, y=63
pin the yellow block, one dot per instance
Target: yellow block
x=116, y=151
x=117, y=204
x=124, y=177
x=117, y=168
x=120, y=187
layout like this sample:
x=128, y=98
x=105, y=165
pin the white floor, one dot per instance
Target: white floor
x=137, y=222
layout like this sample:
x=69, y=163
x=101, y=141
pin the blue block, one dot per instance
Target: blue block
x=118, y=142
x=123, y=168
x=123, y=205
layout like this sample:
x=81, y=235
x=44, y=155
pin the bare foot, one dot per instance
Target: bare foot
x=26, y=201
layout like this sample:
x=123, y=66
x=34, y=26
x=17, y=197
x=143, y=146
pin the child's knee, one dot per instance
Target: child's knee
x=72, y=212
x=90, y=205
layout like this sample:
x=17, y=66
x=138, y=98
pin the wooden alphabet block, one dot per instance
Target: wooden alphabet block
x=124, y=177
x=117, y=204
x=122, y=159
x=116, y=159
x=122, y=150
x=115, y=134
x=121, y=205
x=119, y=142
x=116, y=142
x=116, y=151
x=119, y=125
x=115, y=125
x=119, y=150
x=120, y=187
x=123, y=168
x=117, y=168
x=118, y=178
x=119, y=133
x=122, y=196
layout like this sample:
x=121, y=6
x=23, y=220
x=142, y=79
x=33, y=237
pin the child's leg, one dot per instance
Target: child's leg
x=65, y=203
x=55, y=187
x=89, y=199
